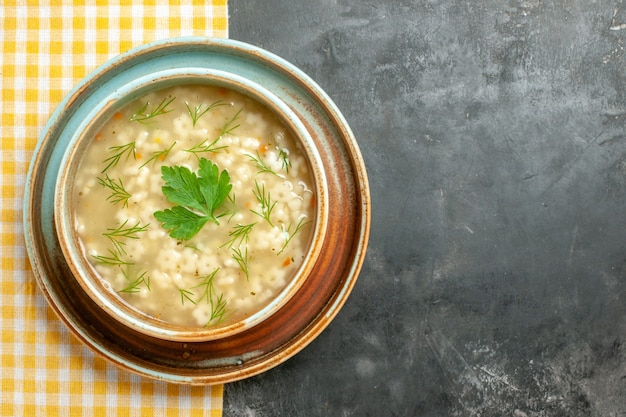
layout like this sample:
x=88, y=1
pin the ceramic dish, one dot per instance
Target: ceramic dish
x=97, y=114
x=313, y=304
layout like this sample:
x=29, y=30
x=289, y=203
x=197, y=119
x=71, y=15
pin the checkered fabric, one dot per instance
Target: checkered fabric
x=46, y=48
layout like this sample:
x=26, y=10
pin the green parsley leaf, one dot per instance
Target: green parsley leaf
x=196, y=197
x=180, y=222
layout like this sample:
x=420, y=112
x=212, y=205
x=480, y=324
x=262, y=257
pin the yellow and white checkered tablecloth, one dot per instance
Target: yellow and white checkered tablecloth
x=47, y=47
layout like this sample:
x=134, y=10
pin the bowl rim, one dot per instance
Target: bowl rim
x=254, y=351
x=99, y=114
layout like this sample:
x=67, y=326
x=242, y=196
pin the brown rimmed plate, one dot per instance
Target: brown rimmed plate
x=307, y=313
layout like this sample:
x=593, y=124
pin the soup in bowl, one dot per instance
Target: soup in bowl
x=191, y=206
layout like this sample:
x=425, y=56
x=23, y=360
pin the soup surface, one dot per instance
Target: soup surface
x=195, y=205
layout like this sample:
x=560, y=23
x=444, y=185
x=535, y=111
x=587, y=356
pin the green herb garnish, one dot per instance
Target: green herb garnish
x=262, y=165
x=134, y=285
x=207, y=284
x=196, y=197
x=289, y=234
x=118, y=152
x=218, y=310
x=283, y=155
x=239, y=234
x=198, y=112
x=118, y=192
x=205, y=146
x=142, y=115
x=265, y=200
x=158, y=155
x=186, y=295
x=216, y=302
x=113, y=259
x=117, y=235
x=242, y=259
x=228, y=127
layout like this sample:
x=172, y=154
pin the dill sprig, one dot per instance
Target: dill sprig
x=242, y=260
x=117, y=235
x=113, y=259
x=158, y=155
x=283, y=155
x=216, y=302
x=228, y=127
x=262, y=165
x=239, y=234
x=134, y=285
x=118, y=152
x=118, y=192
x=207, y=284
x=142, y=115
x=198, y=112
x=265, y=200
x=218, y=310
x=288, y=234
x=186, y=295
x=205, y=146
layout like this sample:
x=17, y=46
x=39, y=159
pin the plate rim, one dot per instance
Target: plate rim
x=45, y=268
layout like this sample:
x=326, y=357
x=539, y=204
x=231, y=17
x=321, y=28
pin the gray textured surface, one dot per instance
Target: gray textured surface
x=494, y=137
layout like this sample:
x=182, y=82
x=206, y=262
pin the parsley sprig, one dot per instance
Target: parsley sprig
x=196, y=197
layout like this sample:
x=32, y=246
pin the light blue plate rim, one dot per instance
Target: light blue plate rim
x=299, y=91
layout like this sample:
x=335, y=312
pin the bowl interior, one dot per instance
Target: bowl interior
x=89, y=279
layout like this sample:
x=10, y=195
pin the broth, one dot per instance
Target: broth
x=240, y=259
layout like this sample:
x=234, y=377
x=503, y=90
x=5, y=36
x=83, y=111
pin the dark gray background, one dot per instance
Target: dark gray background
x=494, y=137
